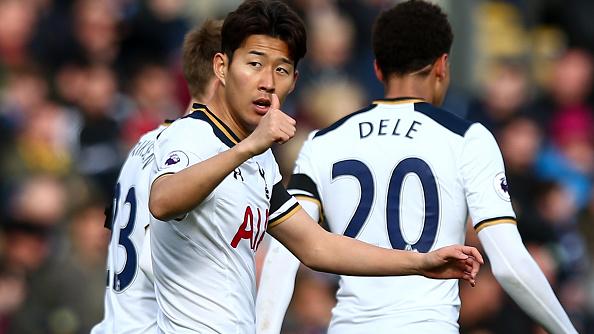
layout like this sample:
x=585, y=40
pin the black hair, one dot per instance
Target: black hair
x=410, y=36
x=261, y=17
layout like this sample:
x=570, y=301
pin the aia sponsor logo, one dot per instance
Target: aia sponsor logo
x=253, y=228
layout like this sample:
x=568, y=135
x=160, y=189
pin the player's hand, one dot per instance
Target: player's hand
x=455, y=261
x=274, y=127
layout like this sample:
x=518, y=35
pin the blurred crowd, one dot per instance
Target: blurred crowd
x=81, y=80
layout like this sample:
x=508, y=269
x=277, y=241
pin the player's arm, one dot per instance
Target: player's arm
x=173, y=195
x=522, y=279
x=482, y=172
x=277, y=281
x=328, y=252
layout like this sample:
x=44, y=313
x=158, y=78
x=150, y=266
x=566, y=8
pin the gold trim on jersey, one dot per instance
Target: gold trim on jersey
x=284, y=216
x=495, y=221
x=313, y=200
x=411, y=100
x=218, y=124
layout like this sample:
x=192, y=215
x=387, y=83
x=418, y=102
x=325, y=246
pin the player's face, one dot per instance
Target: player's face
x=260, y=67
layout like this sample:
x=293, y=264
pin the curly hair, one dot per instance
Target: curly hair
x=200, y=46
x=410, y=36
x=264, y=17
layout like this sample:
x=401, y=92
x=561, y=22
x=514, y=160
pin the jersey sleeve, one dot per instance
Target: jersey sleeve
x=282, y=204
x=304, y=181
x=185, y=143
x=485, y=184
x=277, y=282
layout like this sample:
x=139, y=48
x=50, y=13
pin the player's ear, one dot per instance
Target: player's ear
x=441, y=66
x=220, y=63
x=378, y=73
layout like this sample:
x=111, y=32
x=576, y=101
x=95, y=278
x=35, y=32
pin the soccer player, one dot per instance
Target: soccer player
x=404, y=174
x=130, y=304
x=218, y=189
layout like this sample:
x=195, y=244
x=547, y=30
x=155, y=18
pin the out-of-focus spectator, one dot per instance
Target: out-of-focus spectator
x=569, y=87
x=78, y=306
x=25, y=91
x=569, y=156
x=155, y=33
x=43, y=144
x=38, y=200
x=18, y=19
x=504, y=96
x=330, y=102
x=153, y=92
x=12, y=296
x=100, y=153
x=520, y=140
x=26, y=235
x=330, y=42
x=95, y=30
x=69, y=82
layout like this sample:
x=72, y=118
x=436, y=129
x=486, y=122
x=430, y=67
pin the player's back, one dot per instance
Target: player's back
x=130, y=304
x=389, y=175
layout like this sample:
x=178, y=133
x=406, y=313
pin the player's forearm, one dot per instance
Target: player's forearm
x=534, y=295
x=173, y=195
x=529, y=288
x=347, y=256
x=522, y=279
x=325, y=251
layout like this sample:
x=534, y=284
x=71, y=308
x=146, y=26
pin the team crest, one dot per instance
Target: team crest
x=175, y=158
x=501, y=186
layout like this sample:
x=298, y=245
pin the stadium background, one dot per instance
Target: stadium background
x=81, y=80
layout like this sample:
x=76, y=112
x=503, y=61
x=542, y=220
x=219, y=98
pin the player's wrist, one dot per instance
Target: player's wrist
x=422, y=263
x=245, y=149
x=416, y=263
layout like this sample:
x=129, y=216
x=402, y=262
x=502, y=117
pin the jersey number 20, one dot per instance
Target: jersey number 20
x=363, y=174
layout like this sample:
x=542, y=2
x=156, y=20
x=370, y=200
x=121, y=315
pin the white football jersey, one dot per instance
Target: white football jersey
x=130, y=304
x=402, y=174
x=204, y=262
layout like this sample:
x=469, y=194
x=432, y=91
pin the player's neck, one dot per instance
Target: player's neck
x=409, y=86
x=205, y=98
x=222, y=110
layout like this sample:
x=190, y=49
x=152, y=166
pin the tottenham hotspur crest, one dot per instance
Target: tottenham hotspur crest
x=262, y=174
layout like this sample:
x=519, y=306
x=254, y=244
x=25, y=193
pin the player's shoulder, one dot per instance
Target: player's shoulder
x=154, y=133
x=202, y=123
x=446, y=119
